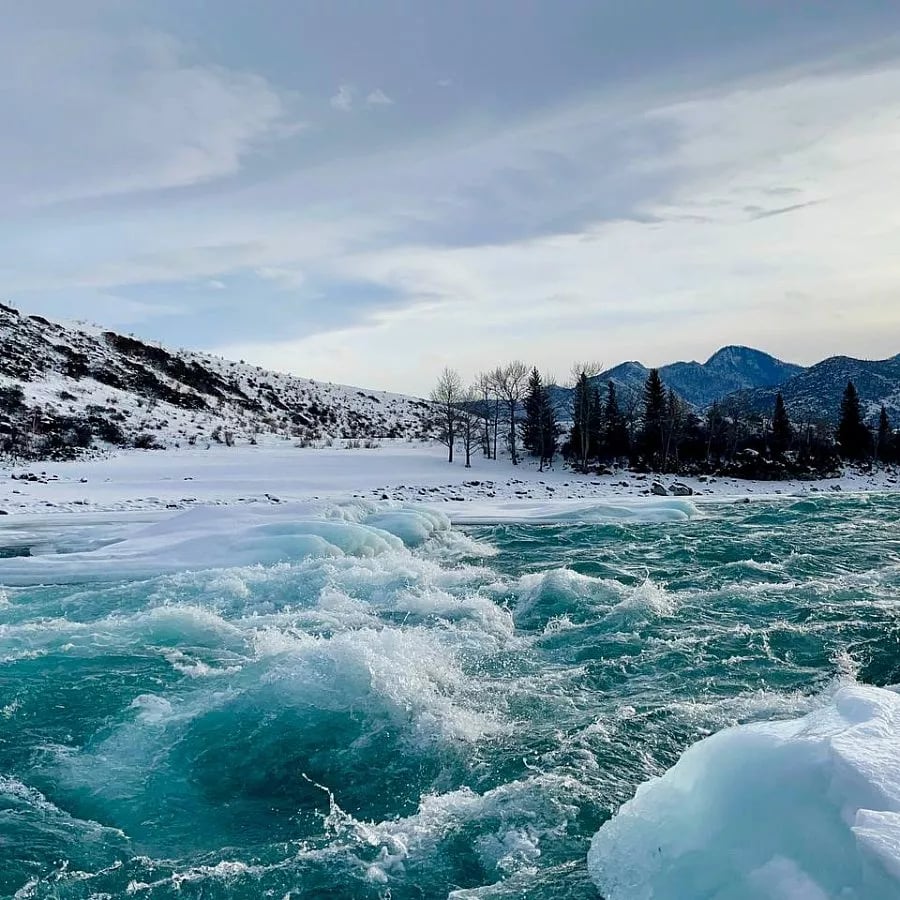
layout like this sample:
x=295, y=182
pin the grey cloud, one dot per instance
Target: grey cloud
x=103, y=110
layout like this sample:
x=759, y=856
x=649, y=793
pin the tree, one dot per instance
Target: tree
x=854, y=438
x=535, y=401
x=782, y=433
x=549, y=432
x=654, y=417
x=716, y=432
x=585, y=415
x=885, y=437
x=509, y=382
x=470, y=418
x=540, y=428
x=616, y=428
x=673, y=427
x=489, y=408
x=446, y=398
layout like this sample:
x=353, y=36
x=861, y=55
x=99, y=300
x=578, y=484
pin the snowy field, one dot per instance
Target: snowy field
x=277, y=471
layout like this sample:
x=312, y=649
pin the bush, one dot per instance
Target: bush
x=146, y=441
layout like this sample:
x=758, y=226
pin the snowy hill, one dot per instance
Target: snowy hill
x=816, y=392
x=65, y=387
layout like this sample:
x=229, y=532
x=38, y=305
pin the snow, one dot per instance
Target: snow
x=278, y=471
x=755, y=810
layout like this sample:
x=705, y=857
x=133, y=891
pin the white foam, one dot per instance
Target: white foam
x=803, y=809
x=573, y=512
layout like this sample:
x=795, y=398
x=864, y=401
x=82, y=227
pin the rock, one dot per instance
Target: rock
x=680, y=490
x=657, y=489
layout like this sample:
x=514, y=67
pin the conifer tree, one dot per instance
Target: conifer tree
x=885, y=437
x=654, y=417
x=595, y=423
x=852, y=434
x=583, y=415
x=540, y=429
x=535, y=400
x=616, y=428
x=673, y=427
x=782, y=433
x=549, y=431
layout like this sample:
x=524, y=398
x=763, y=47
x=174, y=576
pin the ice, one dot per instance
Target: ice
x=668, y=509
x=805, y=809
x=226, y=537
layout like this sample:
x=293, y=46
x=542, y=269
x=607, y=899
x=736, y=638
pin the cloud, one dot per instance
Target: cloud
x=285, y=278
x=103, y=111
x=378, y=98
x=343, y=99
x=685, y=266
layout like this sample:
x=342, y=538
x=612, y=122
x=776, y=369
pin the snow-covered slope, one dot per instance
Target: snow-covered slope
x=76, y=386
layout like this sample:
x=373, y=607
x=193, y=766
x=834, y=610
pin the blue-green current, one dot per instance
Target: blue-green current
x=457, y=717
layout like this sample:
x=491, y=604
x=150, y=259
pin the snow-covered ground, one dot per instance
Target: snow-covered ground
x=277, y=471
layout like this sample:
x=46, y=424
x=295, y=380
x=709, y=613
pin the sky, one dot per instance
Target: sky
x=367, y=192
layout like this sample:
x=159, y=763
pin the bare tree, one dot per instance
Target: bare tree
x=488, y=407
x=470, y=421
x=446, y=398
x=510, y=382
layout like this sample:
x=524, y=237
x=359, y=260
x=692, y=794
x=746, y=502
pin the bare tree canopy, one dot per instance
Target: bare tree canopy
x=446, y=397
x=510, y=382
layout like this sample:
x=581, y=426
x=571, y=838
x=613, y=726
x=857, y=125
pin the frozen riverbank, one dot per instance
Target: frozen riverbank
x=278, y=472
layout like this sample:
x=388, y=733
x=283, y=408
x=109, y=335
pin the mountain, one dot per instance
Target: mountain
x=815, y=393
x=726, y=371
x=64, y=388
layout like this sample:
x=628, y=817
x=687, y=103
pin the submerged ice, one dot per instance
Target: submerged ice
x=361, y=701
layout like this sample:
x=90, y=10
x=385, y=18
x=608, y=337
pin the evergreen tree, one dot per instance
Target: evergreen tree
x=853, y=436
x=534, y=405
x=540, y=429
x=585, y=421
x=673, y=428
x=616, y=428
x=549, y=431
x=782, y=432
x=597, y=427
x=885, y=437
x=654, y=417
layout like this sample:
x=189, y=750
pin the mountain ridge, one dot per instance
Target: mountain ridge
x=731, y=368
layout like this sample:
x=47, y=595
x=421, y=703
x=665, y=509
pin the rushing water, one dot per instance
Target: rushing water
x=454, y=718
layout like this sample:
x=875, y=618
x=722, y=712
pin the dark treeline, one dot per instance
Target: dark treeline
x=596, y=429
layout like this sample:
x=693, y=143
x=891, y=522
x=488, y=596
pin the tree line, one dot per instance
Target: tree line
x=595, y=426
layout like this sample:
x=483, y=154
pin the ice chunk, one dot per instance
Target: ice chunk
x=795, y=810
x=223, y=537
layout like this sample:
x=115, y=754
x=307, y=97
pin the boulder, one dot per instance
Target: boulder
x=657, y=489
x=680, y=490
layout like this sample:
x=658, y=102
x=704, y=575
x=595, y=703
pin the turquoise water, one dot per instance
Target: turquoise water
x=457, y=718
